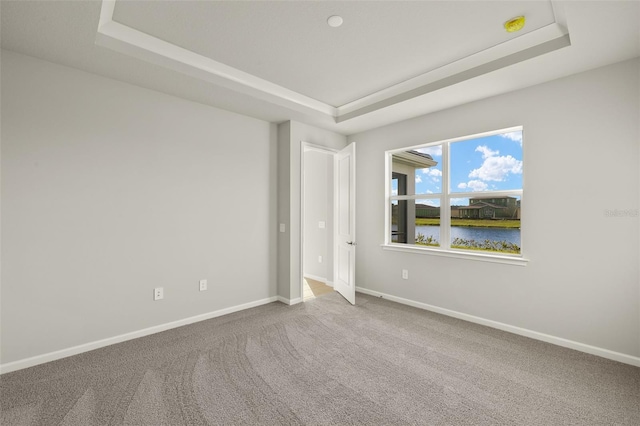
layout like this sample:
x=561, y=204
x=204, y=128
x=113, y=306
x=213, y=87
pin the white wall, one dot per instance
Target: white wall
x=581, y=154
x=291, y=135
x=318, y=207
x=284, y=210
x=110, y=190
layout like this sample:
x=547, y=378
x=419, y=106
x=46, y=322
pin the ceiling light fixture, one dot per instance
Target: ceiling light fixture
x=514, y=24
x=335, y=21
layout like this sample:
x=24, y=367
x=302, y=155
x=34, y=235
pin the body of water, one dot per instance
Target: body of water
x=510, y=235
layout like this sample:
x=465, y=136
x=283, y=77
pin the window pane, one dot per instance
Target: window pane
x=490, y=163
x=415, y=222
x=429, y=179
x=398, y=184
x=427, y=222
x=486, y=223
x=423, y=169
x=399, y=221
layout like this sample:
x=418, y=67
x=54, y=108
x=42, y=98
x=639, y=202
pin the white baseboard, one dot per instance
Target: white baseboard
x=63, y=353
x=582, y=347
x=289, y=301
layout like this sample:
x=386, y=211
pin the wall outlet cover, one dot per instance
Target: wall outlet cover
x=158, y=293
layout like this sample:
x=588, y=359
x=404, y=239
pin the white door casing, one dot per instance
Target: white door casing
x=345, y=226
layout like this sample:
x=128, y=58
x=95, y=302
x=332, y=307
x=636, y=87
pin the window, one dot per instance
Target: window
x=457, y=196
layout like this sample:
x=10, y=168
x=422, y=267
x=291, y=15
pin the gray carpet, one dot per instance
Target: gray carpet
x=326, y=362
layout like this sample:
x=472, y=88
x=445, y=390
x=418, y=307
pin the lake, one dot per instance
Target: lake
x=511, y=235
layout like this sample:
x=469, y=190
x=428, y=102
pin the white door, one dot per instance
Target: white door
x=345, y=249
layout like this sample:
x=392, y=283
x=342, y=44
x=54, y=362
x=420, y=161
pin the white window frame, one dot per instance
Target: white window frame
x=445, y=207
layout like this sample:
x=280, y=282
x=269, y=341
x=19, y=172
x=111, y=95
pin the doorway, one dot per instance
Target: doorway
x=317, y=221
x=327, y=246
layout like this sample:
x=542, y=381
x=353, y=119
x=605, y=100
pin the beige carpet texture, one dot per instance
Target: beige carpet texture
x=325, y=362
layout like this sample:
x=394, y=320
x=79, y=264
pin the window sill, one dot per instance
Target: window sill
x=483, y=257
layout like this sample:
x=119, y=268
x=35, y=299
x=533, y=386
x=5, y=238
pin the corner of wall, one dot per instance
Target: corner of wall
x=283, y=179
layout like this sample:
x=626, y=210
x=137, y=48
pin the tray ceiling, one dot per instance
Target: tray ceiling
x=283, y=52
x=278, y=61
x=379, y=45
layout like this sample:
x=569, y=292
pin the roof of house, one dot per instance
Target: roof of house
x=421, y=154
x=481, y=205
x=416, y=159
x=489, y=196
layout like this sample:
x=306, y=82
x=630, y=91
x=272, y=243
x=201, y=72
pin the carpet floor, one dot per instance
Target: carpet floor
x=326, y=362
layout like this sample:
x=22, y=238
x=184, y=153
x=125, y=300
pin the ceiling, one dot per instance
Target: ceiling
x=389, y=61
x=378, y=46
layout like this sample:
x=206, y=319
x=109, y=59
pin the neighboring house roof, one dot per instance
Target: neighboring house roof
x=421, y=154
x=426, y=206
x=481, y=205
x=418, y=160
x=490, y=197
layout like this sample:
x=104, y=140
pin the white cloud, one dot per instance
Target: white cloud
x=477, y=185
x=434, y=151
x=474, y=185
x=486, y=152
x=497, y=168
x=432, y=172
x=514, y=136
x=394, y=192
x=418, y=178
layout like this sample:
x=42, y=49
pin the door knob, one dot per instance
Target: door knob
x=351, y=243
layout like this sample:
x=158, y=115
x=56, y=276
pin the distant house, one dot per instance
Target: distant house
x=489, y=208
x=426, y=210
x=478, y=208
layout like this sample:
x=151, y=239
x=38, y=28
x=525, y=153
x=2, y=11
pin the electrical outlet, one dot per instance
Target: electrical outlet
x=158, y=293
x=319, y=259
x=203, y=285
x=405, y=274
x=282, y=227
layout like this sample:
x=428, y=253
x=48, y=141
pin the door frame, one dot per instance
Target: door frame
x=306, y=147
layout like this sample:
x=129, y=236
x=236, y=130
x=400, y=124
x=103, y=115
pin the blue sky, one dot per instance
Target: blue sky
x=490, y=163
